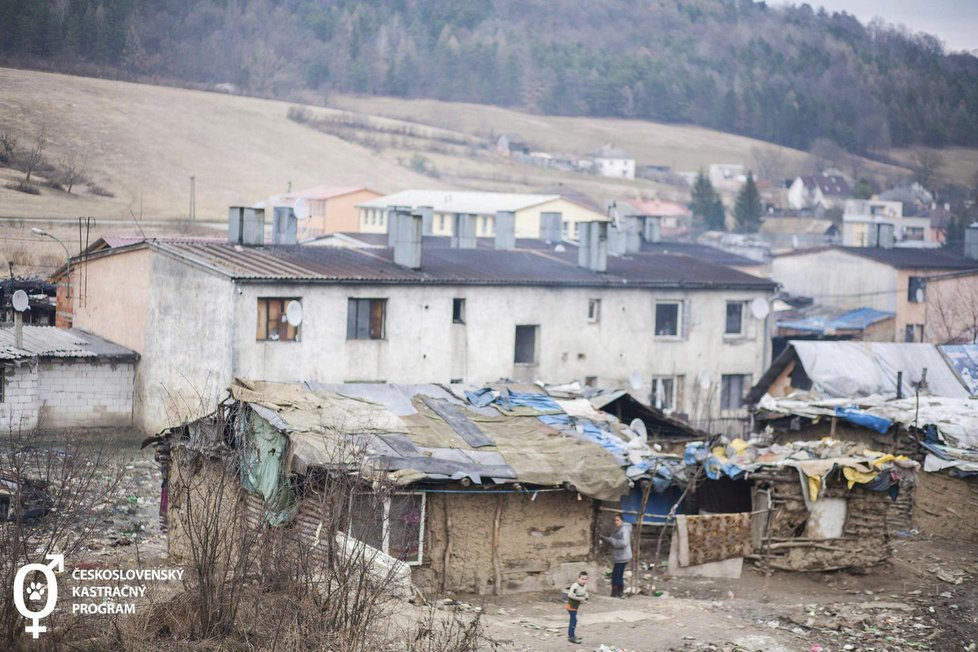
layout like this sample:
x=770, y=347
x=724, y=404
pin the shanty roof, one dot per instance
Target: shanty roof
x=858, y=319
x=899, y=257
x=859, y=369
x=429, y=433
x=463, y=201
x=446, y=266
x=51, y=342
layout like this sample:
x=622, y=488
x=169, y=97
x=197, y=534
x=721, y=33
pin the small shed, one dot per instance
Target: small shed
x=494, y=490
x=55, y=378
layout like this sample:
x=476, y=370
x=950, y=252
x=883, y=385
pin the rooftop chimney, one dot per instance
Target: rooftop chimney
x=392, y=222
x=653, y=229
x=285, y=227
x=632, y=225
x=463, y=235
x=505, y=230
x=551, y=227
x=592, y=253
x=246, y=226
x=427, y=219
x=407, y=246
x=971, y=241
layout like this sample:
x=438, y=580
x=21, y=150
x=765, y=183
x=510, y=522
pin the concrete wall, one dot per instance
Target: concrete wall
x=18, y=410
x=837, y=278
x=542, y=543
x=423, y=345
x=185, y=366
x=85, y=393
x=110, y=297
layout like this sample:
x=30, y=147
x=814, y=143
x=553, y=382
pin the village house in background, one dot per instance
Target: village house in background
x=867, y=221
x=324, y=209
x=55, y=378
x=819, y=192
x=611, y=161
x=675, y=219
x=533, y=212
x=729, y=177
x=671, y=326
x=929, y=291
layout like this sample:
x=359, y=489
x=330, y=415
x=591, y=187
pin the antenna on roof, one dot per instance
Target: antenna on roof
x=613, y=215
x=20, y=302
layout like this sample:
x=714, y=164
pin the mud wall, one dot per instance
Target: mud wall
x=945, y=506
x=865, y=539
x=540, y=544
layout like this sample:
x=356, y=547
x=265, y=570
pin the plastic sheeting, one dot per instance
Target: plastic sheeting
x=859, y=369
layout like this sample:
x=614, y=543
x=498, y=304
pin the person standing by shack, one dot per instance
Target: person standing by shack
x=621, y=554
x=576, y=594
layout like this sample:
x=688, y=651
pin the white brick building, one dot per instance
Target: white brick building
x=63, y=378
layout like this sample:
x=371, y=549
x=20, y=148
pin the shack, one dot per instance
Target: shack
x=495, y=490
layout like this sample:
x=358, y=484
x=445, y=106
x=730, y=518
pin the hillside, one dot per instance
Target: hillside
x=143, y=143
x=788, y=75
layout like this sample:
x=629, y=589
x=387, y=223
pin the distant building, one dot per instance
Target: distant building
x=676, y=219
x=446, y=204
x=862, y=217
x=727, y=176
x=610, y=161
x=330, y=209
x=819, y=191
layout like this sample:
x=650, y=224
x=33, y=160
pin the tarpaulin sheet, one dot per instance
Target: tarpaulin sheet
x=864, y=419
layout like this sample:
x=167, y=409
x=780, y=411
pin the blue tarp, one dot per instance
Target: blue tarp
x=864, y=419
x=659, y=503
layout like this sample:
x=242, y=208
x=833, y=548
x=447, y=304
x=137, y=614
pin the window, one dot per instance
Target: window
x=273, y=326
x=663, y=393
x=914, y=333
x=916, y=289
x=441, y=223
x=394, y=524
x=594, y=310
x=914, y=233
x=733, y=387
x=365, y=319
x=526, y=345
x=735, y=318
x=458, y=311
x=667, y=319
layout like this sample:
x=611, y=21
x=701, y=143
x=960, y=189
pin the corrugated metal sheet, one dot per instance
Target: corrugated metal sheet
x=442, y=266
x=51, y=342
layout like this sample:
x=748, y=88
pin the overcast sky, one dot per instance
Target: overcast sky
x=953, y=21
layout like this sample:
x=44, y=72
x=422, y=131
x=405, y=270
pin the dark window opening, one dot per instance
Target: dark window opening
x=735, y=318
x=667, y=319
x=526, y=345
x=733, y=387
x=365, y=319
x=458, y=311
x=273, y=324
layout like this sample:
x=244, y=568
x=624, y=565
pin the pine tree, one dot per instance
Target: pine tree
x=748, y=209
x=706, y=205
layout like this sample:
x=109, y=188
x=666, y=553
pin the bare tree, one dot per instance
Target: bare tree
x=72, y=169
x=769, y=162
x=35, y=155
x=8, y=147
x=927, y=166
x=952, y=308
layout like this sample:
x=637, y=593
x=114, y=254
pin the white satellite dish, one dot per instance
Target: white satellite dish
x=759, y=308
x=635, y=380
x=20, y=301
x=301, y=209
x=293, y=313
x=919, y=295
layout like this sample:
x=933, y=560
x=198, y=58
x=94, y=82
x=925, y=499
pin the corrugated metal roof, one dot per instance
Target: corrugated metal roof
x=858, y=319
x=51, y=342
x=441, y=266
x=456, y=201
x=898, y=257
x=117, y=240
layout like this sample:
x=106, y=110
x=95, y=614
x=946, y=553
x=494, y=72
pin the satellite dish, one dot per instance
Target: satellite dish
x=293, y=313
x=919, y=295
x=759, y=308
x=20, y=301
x=301, y=209
x=635, y=380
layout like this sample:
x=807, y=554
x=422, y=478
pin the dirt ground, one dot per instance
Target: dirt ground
x=924, y=598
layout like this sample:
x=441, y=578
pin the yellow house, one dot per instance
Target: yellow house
x=445, y=204
x=330, y=209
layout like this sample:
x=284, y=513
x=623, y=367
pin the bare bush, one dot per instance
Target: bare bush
x=71, y=169
x=32, y=159
x=52, y=502
x=99, y=191
x=8, y=148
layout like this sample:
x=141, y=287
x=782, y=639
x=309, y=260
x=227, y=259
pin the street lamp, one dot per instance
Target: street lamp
x=41, y=232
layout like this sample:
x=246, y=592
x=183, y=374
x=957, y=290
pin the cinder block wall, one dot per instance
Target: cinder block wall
x=18, y=410
x=85, y=393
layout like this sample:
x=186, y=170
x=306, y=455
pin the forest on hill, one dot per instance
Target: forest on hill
x=789, y=75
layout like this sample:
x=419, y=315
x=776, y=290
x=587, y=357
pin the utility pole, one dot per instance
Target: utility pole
x=193, y=200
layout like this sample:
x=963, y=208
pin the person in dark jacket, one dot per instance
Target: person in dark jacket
x=621, y=554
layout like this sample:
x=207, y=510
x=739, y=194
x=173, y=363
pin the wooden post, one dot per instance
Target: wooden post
x=637, y=536
x=495, y=546
x=448, y=542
